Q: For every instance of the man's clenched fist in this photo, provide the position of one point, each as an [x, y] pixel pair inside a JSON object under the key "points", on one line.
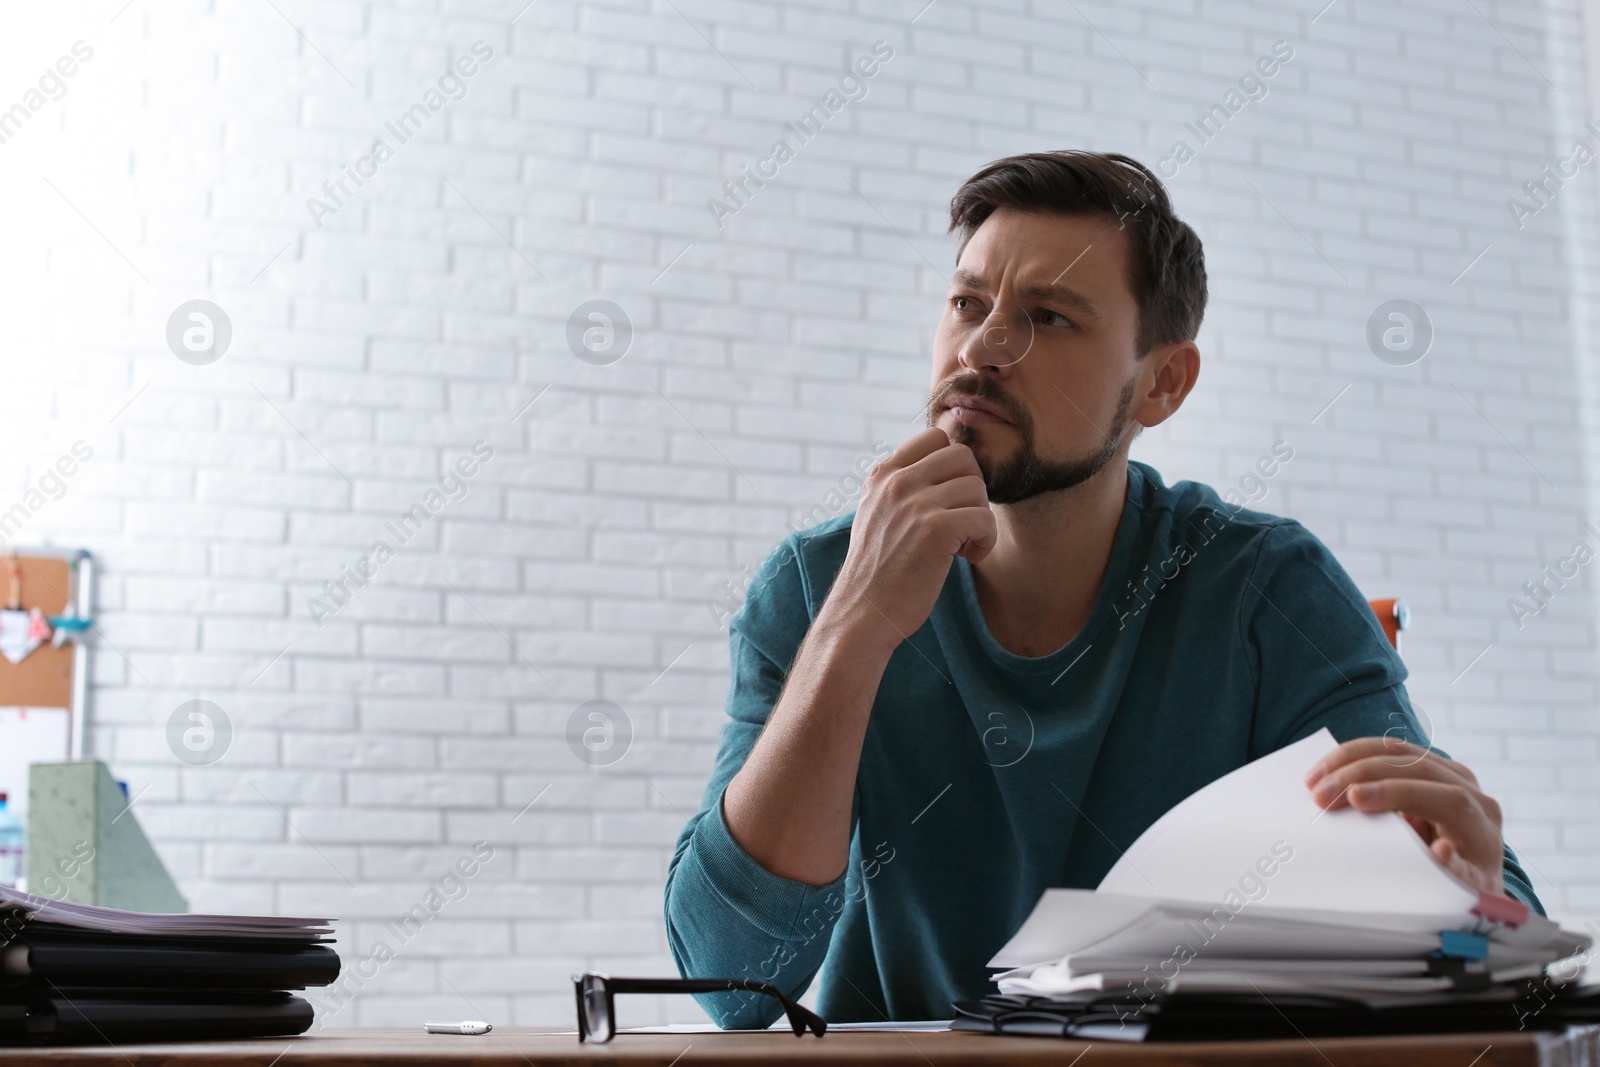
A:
{"points": [[922, 506]]}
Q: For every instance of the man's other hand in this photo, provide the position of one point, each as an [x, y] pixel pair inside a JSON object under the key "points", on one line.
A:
{"points": [[1439, 797]]}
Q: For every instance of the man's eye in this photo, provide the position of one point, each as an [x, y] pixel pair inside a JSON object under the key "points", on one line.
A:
{"points": [[1053, 318], [960, 303]]}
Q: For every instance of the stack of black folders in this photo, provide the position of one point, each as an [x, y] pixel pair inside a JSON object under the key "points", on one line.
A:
{"points": [[1530, 1004], [74, 974]]}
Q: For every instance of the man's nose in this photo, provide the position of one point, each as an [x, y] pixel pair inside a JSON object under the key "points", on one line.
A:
{"points": [[999, 342]]}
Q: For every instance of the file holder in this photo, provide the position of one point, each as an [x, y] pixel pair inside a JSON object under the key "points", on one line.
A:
{"points": [[85, 845]]}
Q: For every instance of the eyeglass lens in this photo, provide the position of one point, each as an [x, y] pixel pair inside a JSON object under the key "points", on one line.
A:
{"points": [[596, 1009]]}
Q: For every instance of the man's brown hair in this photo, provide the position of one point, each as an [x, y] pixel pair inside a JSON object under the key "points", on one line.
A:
{"points": [[1166, 265]]}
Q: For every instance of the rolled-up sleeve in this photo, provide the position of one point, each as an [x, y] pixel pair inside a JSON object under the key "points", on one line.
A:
{"points": [[727, 916]]}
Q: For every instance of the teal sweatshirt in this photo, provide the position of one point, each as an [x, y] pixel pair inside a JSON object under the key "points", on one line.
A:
{"points": [[1220, 634]]}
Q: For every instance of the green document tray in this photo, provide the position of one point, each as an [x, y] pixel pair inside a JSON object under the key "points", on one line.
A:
{"points": [[85, 846]]}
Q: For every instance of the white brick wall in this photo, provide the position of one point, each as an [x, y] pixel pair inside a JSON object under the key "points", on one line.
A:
{"points": [[769, 357]]}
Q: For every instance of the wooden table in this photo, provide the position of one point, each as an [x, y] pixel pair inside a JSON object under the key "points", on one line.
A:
{"points": [[1574, 1047]]}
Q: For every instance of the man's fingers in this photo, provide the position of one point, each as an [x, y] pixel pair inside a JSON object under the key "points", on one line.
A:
{"points": [[1393, 750], [951, 461], [1489, 876], [1470, 823], [967, 491], [1423, 827], [1332, 789], [1363, 748], [975, 532], [920, 444]]}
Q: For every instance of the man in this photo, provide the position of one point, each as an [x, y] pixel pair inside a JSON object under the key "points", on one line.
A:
{"points": [[1023, 648]]}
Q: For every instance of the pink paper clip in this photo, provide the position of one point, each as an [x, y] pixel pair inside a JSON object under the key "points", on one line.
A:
{"points": [[1500, 909]]}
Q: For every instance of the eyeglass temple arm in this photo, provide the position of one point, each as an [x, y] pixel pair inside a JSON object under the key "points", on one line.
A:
{"points": [[800, 1018]]}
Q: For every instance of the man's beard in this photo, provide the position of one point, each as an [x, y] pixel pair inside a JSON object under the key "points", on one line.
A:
{"points": [[1026, 475]]}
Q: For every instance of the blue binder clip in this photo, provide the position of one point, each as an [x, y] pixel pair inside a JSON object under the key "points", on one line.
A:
{"points": [[1459, 944]]}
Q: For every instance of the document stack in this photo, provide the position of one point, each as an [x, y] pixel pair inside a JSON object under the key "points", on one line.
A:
{"points": [[1248, 910], [74, 974]]}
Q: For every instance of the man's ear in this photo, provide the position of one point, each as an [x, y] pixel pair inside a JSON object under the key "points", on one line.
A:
{"points": [[1169, 371]]}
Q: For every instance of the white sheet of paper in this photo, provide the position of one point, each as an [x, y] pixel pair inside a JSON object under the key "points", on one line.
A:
{"points": [[1084, 923], [176, 924], [1254, 855], [1076, 921], [30, 735], [1220, 840], [15, 640]]}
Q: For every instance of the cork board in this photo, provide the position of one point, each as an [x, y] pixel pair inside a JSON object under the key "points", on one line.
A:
{"points": [[44, 679]]}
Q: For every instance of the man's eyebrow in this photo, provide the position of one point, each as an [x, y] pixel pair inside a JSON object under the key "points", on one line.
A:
{"points": [[1053, 294]]}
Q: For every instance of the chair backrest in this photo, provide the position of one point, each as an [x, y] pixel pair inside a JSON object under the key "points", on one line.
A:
{"points": [[1395, 617]]}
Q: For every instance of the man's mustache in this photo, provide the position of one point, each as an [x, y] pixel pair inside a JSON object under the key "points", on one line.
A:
{"points": [[941, 396]]}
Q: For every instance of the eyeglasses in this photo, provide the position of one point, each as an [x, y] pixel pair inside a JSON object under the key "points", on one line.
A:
{"points": [[598, 1021]]}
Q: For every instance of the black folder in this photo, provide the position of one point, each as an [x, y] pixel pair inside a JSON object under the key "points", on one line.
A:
{"points": [[101, 1016], [41, 953], [1097, 1016]]}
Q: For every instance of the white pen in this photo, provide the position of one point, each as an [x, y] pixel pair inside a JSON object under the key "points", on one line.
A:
{"points": [[471, 1026]]}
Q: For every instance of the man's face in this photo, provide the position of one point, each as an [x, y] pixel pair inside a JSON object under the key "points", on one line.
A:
{"points": [[1040, 325]]}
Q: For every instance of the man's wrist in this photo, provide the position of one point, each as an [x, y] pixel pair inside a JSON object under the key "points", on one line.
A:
{"points": [[856, 627]]}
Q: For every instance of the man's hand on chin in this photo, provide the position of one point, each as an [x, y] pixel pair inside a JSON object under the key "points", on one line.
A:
{"points": [[1439, 797]]}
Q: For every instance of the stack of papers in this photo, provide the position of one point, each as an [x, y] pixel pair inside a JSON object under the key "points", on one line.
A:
{"points": [[113, 921], [71, 973], [1248, 886]]}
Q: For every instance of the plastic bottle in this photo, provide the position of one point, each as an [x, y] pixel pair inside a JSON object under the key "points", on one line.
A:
{"points": [[11, 839]]}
